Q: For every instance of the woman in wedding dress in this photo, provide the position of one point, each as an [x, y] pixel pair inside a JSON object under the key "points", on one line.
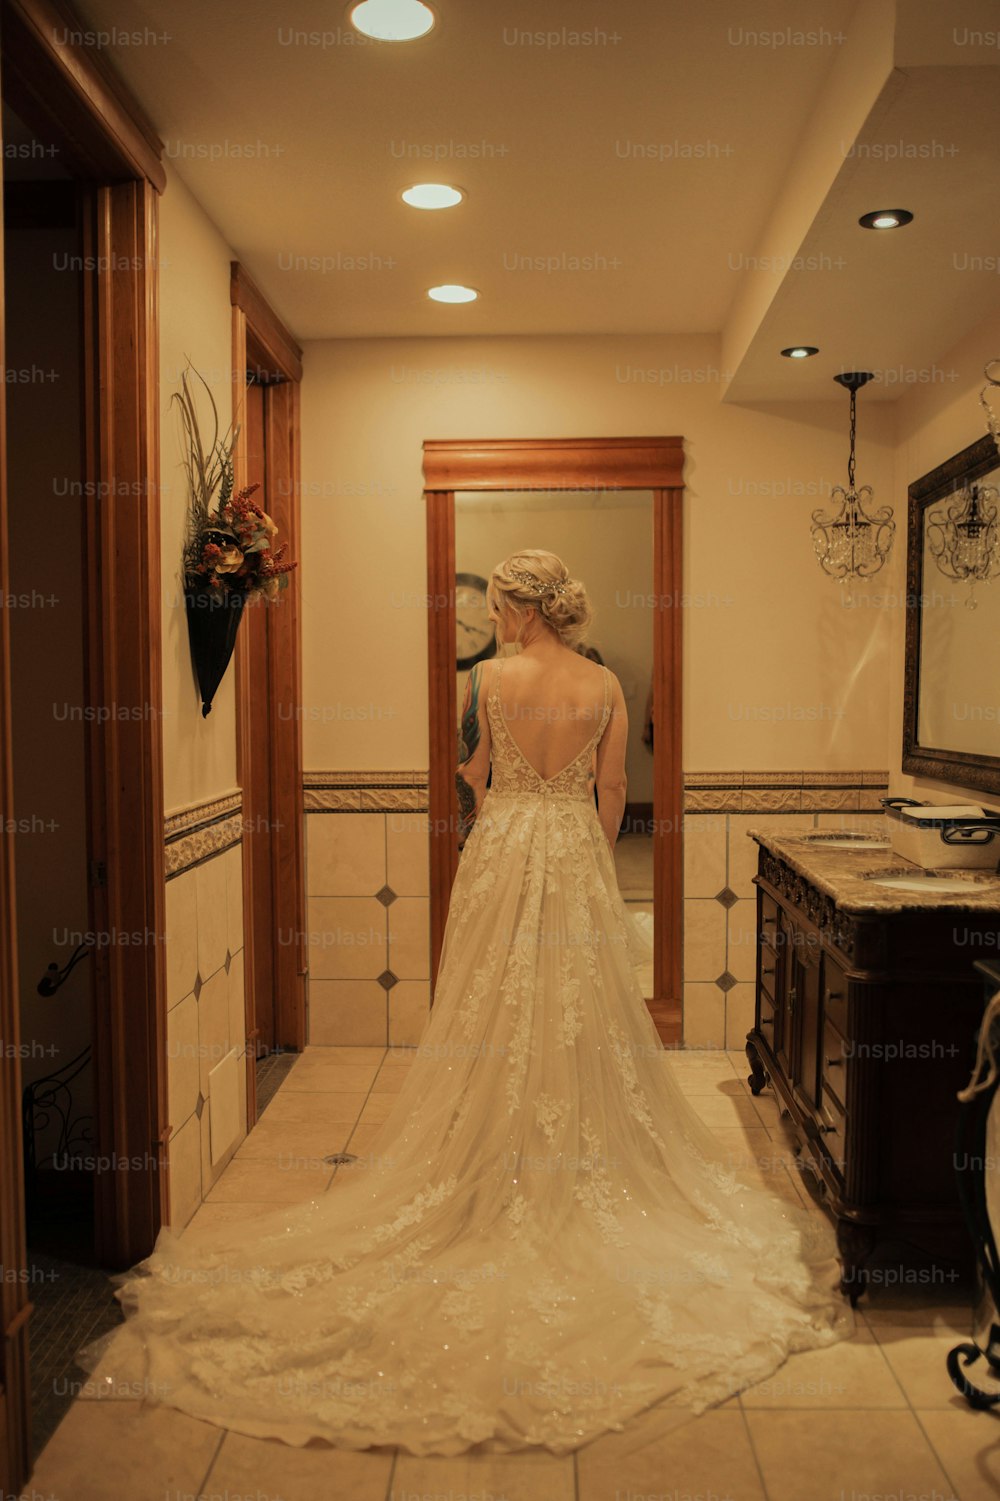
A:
{"points": [[544, 1239]]}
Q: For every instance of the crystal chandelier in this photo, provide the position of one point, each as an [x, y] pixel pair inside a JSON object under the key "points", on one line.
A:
{"points": [[963, 535], [964, 539], [852, 544]]}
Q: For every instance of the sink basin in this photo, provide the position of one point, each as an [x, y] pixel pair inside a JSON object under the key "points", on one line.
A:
{"points": [[935, 881], [844, 839]]}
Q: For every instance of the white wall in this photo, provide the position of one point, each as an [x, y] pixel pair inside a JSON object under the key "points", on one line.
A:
{"points": [[204, 899], [778, 674], [199, 755]]}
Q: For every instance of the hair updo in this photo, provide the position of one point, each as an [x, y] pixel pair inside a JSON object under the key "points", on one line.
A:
{"points": [[538, 578]]}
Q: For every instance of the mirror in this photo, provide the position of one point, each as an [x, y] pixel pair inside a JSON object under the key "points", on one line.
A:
{"points": [[951, 716], [597, 468], [605, 538]]}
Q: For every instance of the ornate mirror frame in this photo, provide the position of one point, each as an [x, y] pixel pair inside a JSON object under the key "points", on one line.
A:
{"points": [[959, 767], [654, 464]]}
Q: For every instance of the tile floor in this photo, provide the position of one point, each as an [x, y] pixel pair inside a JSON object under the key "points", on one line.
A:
{"points": [[873, 1417]]}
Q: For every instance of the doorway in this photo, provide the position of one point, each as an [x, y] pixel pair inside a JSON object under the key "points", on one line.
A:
{"points": [[43, 236], [554, 483], [84, 177]]}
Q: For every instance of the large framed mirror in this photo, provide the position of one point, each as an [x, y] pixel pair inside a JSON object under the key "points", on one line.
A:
{"points": [[951, 703], [612, 509]]}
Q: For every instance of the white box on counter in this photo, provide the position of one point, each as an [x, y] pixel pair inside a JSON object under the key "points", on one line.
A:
{"points": [[943, 836]]}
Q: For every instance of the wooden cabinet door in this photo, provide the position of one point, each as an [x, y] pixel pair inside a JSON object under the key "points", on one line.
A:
{"points": [[804, 995], [784, 999]]}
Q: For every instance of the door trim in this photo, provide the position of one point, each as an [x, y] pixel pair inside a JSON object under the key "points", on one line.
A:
{"points": [[260, 341], [564, 464], [126, 755], [74, 90]]}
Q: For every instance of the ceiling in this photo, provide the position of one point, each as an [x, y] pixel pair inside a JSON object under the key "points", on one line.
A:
{"points": [[685, 170]]}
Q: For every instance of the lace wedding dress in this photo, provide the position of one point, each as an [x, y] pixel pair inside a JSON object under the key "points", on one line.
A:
{"points": [[543, 1239]]}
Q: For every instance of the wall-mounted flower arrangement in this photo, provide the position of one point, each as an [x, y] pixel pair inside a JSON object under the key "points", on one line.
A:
{"points": [[229, 556]]}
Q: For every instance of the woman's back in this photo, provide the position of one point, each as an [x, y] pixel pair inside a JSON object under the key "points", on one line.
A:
{"points": [[553, 706]]}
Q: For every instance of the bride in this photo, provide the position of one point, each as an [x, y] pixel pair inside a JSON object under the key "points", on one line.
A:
{"points": [[544, 1239]]}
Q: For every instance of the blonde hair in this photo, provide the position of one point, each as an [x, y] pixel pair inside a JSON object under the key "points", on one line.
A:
{"points": [[538, 578]]}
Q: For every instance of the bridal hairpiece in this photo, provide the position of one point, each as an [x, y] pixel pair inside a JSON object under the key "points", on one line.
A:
{"points": [[535, 586]]}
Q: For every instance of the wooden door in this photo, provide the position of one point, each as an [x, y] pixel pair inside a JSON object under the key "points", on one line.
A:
{"points": [[269, 690], [270, 749], [258, 834]]}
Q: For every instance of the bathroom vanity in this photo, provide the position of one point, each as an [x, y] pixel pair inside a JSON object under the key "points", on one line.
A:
{"points": [[867, 1013]]}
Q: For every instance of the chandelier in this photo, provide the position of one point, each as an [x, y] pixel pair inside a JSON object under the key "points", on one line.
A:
{"points": [[991, 416], [963, 535], [852, 544]]}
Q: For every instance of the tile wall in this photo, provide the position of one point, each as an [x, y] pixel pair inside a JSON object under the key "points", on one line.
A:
{"points": [[368, 907], [205, 1005], [368, 904]]}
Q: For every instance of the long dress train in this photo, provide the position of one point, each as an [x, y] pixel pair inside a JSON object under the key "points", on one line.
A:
{"points": [[543, 1239]]}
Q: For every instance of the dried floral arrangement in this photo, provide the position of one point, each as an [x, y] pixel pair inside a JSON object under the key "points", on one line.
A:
{"points": [[229, 557], [230, 547]]}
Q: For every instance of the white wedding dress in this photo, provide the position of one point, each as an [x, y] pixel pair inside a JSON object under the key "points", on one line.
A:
{"points": [[542, 1241]]}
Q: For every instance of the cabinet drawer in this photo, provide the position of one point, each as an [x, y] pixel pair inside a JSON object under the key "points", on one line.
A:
{"points": [[833, 1137], [835, 985], [766, 1010], [834, 1065]]}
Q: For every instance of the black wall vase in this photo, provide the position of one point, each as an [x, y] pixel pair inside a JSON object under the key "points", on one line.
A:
{"points": [[213, 617]]}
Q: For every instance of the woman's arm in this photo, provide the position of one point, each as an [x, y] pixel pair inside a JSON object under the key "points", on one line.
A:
{"points": [[473, 752], [611, 780]]}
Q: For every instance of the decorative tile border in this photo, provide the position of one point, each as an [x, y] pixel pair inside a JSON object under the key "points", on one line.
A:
{"points": [[784, 791], [704, 791], [786, 778], [201, 831], [365, 791]]}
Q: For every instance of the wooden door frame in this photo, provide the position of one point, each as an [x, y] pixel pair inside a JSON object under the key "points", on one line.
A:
{"points": [[260, 340], [654, 464], [66, 90]]}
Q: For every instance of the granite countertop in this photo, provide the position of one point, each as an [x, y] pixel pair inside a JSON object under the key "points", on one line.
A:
{"points": [[840, 874]]}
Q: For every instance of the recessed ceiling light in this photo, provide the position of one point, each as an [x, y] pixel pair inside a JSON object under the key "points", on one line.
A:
{"points": [[392, 20], [886, 218], [452, 293], [799, 351], [432, 195]]}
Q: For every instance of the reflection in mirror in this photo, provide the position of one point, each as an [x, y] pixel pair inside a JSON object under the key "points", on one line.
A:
{"points": [[605, 538], [958, 706]]}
